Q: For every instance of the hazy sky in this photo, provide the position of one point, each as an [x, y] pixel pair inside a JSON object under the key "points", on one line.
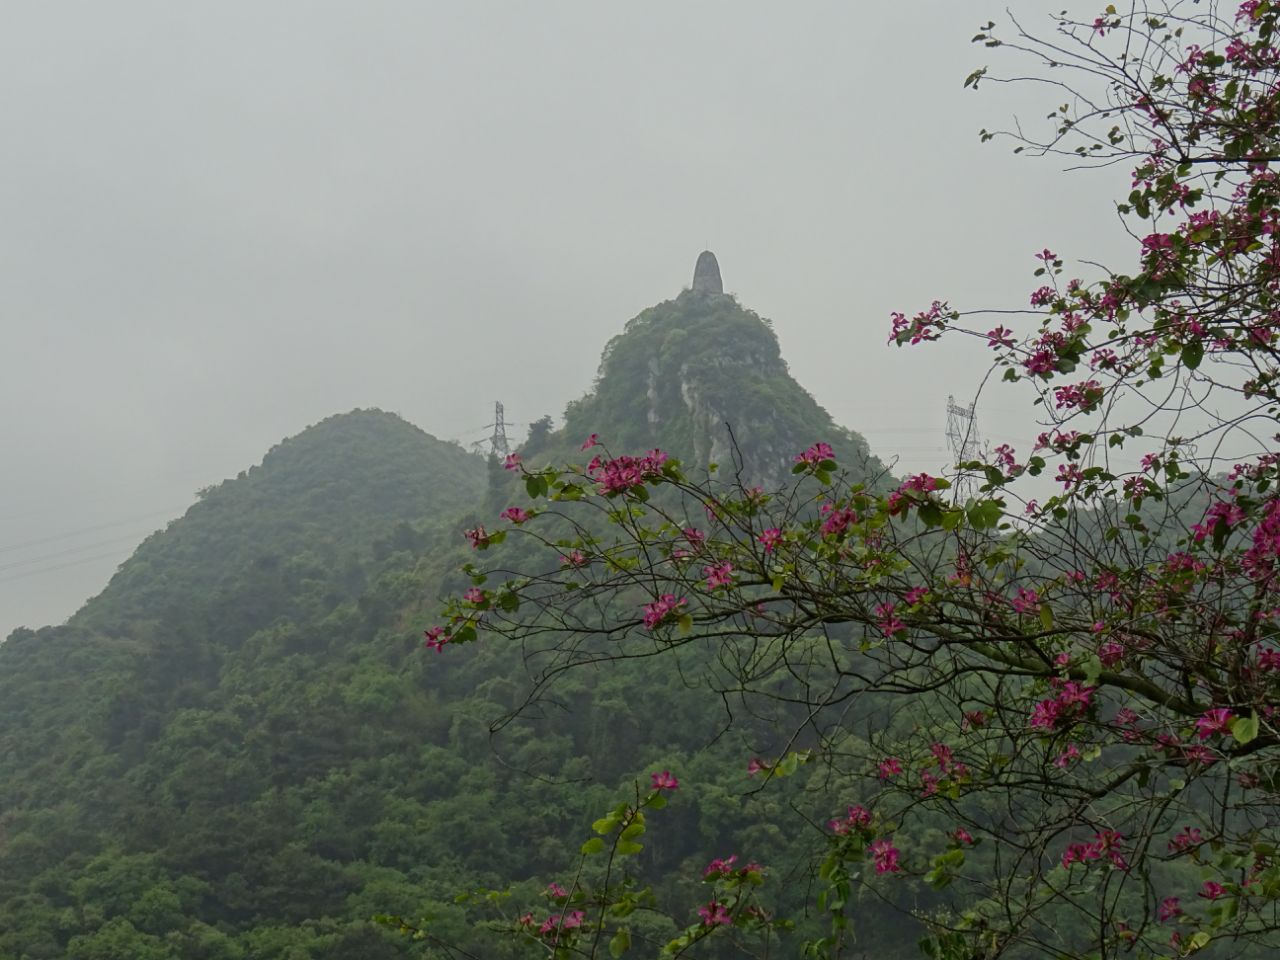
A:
{"points": [[222, 222]]}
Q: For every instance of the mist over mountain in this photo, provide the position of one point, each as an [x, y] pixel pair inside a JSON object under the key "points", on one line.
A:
{"points": [[239, 749]]}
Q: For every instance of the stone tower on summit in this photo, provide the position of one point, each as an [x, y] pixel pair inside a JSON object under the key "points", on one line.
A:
{"points": [[706, 274]]}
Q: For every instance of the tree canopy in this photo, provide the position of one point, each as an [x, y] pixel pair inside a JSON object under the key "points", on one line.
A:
{"points": [[1045, 725]]}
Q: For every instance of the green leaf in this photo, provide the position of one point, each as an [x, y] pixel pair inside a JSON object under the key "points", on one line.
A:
{"points": [[605, 825], [930, 514], [627, 848], [1046, 616], [1192, 354], [594, 845], [620, 943], [685, 623], [1244, 729]]}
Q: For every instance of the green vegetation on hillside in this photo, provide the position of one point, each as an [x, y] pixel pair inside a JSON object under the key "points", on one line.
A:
{"points": [[240, 749]]}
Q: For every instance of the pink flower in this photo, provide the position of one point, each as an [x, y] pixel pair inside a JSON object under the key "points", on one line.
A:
{"points": [[1217, 720], [478, 538], [663, 781], [436, 639], [1185, 839], [890, 767], [625, 473], [858, 817], [1110, 653], [915, 595], [661, 609], [719, 575], [516, 515], [1027, 601], [999, 337], [591, 441], [770, 539], [962, 836], [714, 913], [1064, 759], [755, 766], [888, 623], [886, 856], [474, 595], [555, 890], [816, 454], [574, 559], [1169, 909], [720, 867], [512, 462], [1211, 890]]}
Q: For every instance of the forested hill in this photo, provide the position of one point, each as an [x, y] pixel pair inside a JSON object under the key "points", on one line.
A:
{"points": [[240, 751], [316, 502]]}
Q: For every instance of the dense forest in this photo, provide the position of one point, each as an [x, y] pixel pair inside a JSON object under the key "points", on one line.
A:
{"points": [[240, 748]]}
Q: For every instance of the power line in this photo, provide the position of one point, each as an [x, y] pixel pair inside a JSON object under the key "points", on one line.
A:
{"points": [[69, 552], [60, 566], [83, 530]]}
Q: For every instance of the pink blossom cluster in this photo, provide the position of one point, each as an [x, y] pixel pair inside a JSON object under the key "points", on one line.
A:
{"points": [[718, 575], [1104, 844], [1259, 560], [816, 454], [554, 923], [1215, 721], [724, 868], [1027, 601], [886, 621], [858, 818], [1068, 706], [947, 764], [885, 855], [837, 520], [926, 325], [436, 639], [1006, 461], [1083, 396], [715, 914], [663, 781], [516, 515], [661, 610], [1186, 839], [625, 473], [1228, 514]]}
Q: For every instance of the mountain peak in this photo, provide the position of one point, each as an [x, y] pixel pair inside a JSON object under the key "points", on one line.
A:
{"points": [[703, 377], [706, 274]]}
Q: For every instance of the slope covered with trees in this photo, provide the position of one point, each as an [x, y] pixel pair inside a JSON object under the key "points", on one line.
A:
{"points": [[240, 748]]}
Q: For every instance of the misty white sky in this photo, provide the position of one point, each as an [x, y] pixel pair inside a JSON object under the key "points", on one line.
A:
{"points": [[222, 222]]}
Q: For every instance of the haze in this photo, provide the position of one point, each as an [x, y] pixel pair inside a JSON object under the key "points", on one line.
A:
{"points": [[223, 222]]}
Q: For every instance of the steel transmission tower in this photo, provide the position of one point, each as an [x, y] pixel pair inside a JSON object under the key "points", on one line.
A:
{"points": [[497, 442], [965, 443]]}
